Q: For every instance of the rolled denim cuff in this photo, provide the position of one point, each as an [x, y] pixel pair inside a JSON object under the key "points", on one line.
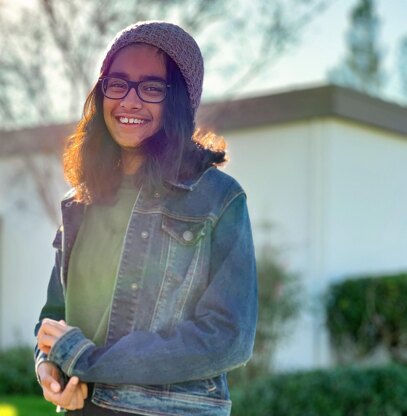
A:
{"points": [[68, 349]]}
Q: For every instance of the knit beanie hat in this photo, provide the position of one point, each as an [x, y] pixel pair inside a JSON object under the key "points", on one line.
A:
{"points": [[174, 41]]}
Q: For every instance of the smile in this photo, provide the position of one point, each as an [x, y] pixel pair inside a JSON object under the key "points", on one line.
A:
{"points": [[126, 120]]}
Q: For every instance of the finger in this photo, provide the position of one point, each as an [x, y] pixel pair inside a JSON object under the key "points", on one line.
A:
{"points": [[55, 387], [45, 349], [50, 383], [46, 340], [70, 400], [77, 401], [51, 323], [69, 391], [52, 328], [51, 396], [84, 389], [46, 324]]}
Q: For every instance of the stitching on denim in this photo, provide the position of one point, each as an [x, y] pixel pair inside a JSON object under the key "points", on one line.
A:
{"points": [[76, 357], [228, 204], [166, 212], [119, 265], [181, 310], [188, 398], [162, 286]]}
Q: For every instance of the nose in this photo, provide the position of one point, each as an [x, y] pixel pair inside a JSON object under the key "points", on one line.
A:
{"points": [[131, 100]]}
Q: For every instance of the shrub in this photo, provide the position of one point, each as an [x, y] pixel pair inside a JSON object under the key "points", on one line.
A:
{"points": [[17, 375], [369, 312], [279, 304], [339, 392]]}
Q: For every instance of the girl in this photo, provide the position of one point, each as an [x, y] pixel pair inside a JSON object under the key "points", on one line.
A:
{"points": [[153, 298]]}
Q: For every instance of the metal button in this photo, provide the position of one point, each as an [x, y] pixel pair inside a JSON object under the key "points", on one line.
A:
{"points": [[187, 235], [134, 286], [144, 235], [157, 195]]}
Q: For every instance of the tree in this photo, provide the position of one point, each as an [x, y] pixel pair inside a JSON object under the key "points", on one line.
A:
{"points": [[50, 49], [361, 68]]}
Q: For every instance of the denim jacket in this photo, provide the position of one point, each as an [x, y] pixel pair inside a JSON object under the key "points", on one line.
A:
{"points": [[184, 306]]}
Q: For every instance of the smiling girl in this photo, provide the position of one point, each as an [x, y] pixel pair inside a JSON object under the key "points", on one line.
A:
{"points": [[153, 297]]}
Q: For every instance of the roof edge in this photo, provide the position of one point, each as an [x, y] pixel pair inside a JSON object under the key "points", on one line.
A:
{"points": [[307, 103]]}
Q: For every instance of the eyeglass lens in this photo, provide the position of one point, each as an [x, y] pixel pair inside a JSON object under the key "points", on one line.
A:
{"points": [[149, 91]]}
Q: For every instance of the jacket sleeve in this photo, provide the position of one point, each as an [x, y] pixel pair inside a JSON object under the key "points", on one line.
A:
{"points": [[54, 307], [220, 337]]}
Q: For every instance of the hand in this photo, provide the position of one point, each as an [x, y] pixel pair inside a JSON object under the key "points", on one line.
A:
{"points": [[49, 332], [71, 398]]}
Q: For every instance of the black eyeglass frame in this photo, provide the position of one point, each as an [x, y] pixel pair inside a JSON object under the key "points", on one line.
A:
{"points": [[135, 85]]}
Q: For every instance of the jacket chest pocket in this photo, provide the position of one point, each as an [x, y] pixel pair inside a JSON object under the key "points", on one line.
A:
{"points": [[185, 241], [183, 257], [186, 233]]}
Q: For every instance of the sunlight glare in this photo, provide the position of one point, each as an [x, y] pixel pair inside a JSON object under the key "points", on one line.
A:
{"points": [[8, 410]]}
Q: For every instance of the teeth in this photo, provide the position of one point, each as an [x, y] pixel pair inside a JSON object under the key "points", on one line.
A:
{"points": [[126, 120]]}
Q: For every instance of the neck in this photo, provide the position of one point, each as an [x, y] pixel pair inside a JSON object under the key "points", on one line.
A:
{"points": [[131, 161]]}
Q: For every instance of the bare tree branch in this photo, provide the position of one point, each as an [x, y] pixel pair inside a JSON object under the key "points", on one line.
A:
{"points": [[49, 53], [59, 53], [41, 178]]}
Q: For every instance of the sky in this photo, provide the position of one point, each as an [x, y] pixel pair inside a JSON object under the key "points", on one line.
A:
{"points": [[323, 44], [321, 47]]}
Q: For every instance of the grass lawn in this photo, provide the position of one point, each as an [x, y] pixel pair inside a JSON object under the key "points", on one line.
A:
{"points": [[25, 406]]}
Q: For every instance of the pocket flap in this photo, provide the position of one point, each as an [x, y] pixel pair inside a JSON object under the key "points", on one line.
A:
{"points": [[185, 232]]}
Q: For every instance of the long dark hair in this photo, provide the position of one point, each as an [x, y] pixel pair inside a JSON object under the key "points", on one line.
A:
{"points": [[92, 159]]}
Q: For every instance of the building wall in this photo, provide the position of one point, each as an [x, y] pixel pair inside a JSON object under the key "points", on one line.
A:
{"points": [[271, 163], [279, 167], [366, 230], [333, 192], [26, 253]]}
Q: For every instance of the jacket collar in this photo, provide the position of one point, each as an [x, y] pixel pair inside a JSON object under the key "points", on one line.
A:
{"points": [[188, 184], [185, 184]]}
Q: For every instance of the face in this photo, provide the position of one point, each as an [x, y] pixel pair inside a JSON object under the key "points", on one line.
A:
{"points": [[134, 63]]}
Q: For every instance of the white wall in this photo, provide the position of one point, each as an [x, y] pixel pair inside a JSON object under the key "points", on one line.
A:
{"points": [[333, 191], [27, 255], [271, 164], [279, 167], [366, 200]]}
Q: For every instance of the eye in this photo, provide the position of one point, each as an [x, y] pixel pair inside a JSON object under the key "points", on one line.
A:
{"points": [[116, 83], [153, 87]]}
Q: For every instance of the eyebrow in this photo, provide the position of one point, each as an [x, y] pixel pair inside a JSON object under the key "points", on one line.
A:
{"points": [[123, 75]]}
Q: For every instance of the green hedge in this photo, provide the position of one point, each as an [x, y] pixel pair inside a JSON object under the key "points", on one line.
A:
{"points": [[17, 374], [339, 392], [279, 304], [367, 312]]}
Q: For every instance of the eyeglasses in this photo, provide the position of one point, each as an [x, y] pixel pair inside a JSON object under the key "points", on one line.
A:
{"points": [[149, 91]]}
